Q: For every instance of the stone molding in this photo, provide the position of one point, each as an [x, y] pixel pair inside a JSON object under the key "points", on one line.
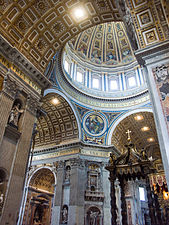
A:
{"points": [[77, 162], [12, 133], [10, 87], [14, 56]]}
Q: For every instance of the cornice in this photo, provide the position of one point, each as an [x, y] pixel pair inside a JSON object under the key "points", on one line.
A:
{"points": [[151, 51], [15, 57], [79, 144]]}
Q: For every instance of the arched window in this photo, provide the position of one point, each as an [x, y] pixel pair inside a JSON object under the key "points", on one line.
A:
{"points": [[95, 83], [113, 85], [67, 66], [79, 77], [132, 82]]}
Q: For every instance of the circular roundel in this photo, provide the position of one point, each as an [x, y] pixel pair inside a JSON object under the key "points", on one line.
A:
{"points": [[99, 35], [94, 124]]}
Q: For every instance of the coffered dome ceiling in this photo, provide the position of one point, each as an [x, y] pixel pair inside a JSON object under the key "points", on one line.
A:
{"points": [[100, 63], [105, 44]]}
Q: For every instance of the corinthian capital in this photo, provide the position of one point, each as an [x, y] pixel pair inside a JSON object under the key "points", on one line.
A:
{"points": [[32, 104]]}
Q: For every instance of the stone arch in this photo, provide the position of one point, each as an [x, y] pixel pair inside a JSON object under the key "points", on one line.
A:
{"points": [[120, 118], [40, 168], [54, 90], [40, 195], [94, 215]]}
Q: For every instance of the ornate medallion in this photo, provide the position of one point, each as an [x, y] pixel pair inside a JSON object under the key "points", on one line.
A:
{"points": [[94, 124]]}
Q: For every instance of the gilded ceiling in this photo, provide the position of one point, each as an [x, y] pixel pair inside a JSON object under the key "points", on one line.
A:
{"points": [[58, 125], [43, 179], [38, 28], [141, 133]]}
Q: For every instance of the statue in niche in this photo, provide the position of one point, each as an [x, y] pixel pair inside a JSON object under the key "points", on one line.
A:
{"points": [[93, 216], [67, 173], [15, 114], [65, 214], [112, 158]]}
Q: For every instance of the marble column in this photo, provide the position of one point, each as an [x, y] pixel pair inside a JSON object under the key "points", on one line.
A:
{"points": [[123, 202]]}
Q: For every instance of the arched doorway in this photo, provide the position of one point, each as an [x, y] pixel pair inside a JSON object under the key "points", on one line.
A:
{"points": [[38, 208]]}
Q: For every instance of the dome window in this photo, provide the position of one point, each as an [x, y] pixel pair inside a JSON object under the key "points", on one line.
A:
{"points": [[131, 82], [96, 83], [67, 66], [113, 85], [79, 77]]}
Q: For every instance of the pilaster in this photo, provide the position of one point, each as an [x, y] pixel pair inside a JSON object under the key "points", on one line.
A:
{"points": [[77, 190], [7, 96], [153, 58], [18, 165], [56, 211]]}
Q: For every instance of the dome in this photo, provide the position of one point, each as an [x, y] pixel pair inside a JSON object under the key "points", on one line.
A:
{"points": [[100, 62], [105, 45]]}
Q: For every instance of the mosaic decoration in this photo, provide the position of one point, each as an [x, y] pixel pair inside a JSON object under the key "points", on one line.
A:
{"points": [[112, 116], [117, 50], [161, 76], [81, 111], [94, 124], [93, 140]]}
